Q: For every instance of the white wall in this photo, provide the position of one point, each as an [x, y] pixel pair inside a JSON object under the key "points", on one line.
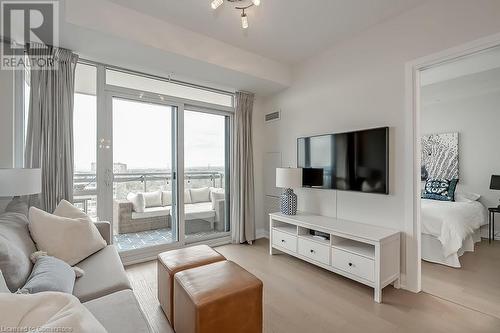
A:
{"points": [[360, 84], [477, 120]]}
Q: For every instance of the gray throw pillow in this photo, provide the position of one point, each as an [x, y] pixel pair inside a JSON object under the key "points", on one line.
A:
{"points": [[16, 246], [50, 274]]}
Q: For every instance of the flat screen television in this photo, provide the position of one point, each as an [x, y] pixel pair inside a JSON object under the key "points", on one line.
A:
{"points": [[353, 161]]}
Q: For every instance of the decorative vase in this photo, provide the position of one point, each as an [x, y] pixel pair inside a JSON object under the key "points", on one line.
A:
{"points": [[288, 202]]}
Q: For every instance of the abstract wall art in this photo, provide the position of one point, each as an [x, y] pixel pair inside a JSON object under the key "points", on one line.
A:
{"points": [[440, 156]]}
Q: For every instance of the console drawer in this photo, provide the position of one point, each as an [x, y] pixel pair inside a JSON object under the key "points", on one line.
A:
{"points": [[284, 240], [314, 251], [354, 264]]}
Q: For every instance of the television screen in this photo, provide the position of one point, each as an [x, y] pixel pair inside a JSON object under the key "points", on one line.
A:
{"points": [[354, 161]]}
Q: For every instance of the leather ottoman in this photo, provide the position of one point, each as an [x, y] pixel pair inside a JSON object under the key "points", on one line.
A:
{"points": [[171, 262], [218, 298]]}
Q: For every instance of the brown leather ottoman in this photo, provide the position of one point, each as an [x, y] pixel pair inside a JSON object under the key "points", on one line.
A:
{"points": [[218, 298], [171, 262]]}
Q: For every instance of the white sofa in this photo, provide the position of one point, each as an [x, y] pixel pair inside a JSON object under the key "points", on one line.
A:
{"points": [[153, 210]]}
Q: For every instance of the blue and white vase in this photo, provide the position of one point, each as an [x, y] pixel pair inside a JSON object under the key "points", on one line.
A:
{"points": [[288, 202]]}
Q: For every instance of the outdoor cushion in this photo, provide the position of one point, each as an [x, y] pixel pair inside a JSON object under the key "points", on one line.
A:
{"points": [[104, 274], [151, 212], [129, 318], [166, 198], [152, 199], [200, 194], [199, 211], [138, 202], [216, 196], [71, 240], [16, 246], [187, 196], [50, 274]]}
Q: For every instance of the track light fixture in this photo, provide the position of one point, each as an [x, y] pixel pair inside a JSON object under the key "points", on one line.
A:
{"points": [[245, 5]]}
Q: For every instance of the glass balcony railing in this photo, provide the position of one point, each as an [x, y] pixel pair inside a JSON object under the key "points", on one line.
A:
{"points": [[85, 185]]}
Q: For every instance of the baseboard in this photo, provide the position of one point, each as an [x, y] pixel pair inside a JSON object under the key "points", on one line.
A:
{"points": [[262, 233]]}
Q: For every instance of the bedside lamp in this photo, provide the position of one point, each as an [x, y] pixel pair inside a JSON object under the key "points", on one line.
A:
{"points": [[17, 182], [495, 183], [288, 178]]}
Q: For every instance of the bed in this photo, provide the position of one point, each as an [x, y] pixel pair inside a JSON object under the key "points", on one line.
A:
{"points": [[449, 229]]}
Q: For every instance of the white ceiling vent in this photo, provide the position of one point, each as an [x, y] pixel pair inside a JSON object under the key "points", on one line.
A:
{"points": [[273, 116]]}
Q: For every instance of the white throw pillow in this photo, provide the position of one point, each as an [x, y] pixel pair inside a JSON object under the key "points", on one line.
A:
{"points": [[66, 209], [200, 194], [166, 198], [187, 197], [138, 202], [70, 240], [462, 195], [47, 312], [152, 199]]}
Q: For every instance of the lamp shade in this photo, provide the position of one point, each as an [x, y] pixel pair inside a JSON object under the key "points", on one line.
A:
{"points": [[495, 182], [15, 182], [288, 177]]}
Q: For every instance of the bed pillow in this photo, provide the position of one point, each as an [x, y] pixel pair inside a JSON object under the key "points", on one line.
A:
{"points": [[465, 196], [70, 240], [440, 189], [50, 274]]}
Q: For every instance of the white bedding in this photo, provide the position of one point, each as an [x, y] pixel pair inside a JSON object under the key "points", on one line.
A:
{"points": [[452, 222]]}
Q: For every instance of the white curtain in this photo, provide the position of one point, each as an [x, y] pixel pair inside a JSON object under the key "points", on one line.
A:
{"points": [[243, 212], [49, 137]]}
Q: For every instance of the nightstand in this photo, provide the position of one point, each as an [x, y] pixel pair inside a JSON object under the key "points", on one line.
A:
{"points": [[491, 222]]}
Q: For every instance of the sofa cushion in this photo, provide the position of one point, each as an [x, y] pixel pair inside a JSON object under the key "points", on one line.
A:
{"points": [[50, 274], [151, 212], [16, 246], [104, 274], [71, 240], [66, 209], [166, 198], [138, 201], [152, 199], [200, 194], [120, 312], [199, 211]]}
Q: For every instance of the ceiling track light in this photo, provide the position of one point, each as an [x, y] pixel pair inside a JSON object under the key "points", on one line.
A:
{"points": [[244, 18]]}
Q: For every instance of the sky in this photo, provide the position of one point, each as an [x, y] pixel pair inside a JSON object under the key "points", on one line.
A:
{"points": [[142, 135]]}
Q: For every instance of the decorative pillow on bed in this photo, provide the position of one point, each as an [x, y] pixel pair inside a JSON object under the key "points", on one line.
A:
{"points": [[440, 189]]}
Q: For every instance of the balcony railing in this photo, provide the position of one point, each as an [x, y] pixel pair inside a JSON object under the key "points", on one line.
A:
{"points": [[85, 185]]}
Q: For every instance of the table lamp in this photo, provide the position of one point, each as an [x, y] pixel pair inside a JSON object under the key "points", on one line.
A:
{"points": [[288, 178], [495, 184], [17, 182]]}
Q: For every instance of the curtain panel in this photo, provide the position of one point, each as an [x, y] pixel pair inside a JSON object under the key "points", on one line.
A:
{"points": [[243, 211], [49, 137]]}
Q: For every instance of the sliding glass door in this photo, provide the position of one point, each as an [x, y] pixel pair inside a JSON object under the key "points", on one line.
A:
{"points": [[144, 141], [206, 174], [152, 157]]}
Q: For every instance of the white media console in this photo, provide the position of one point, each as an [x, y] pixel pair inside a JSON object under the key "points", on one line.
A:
{"points": [[362, 252]]}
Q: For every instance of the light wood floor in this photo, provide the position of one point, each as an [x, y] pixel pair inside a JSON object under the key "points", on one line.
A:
{"points": [[300, 297], [476, 285]]}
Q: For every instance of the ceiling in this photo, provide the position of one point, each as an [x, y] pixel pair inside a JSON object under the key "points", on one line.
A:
{"points": [[289, 31]]}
